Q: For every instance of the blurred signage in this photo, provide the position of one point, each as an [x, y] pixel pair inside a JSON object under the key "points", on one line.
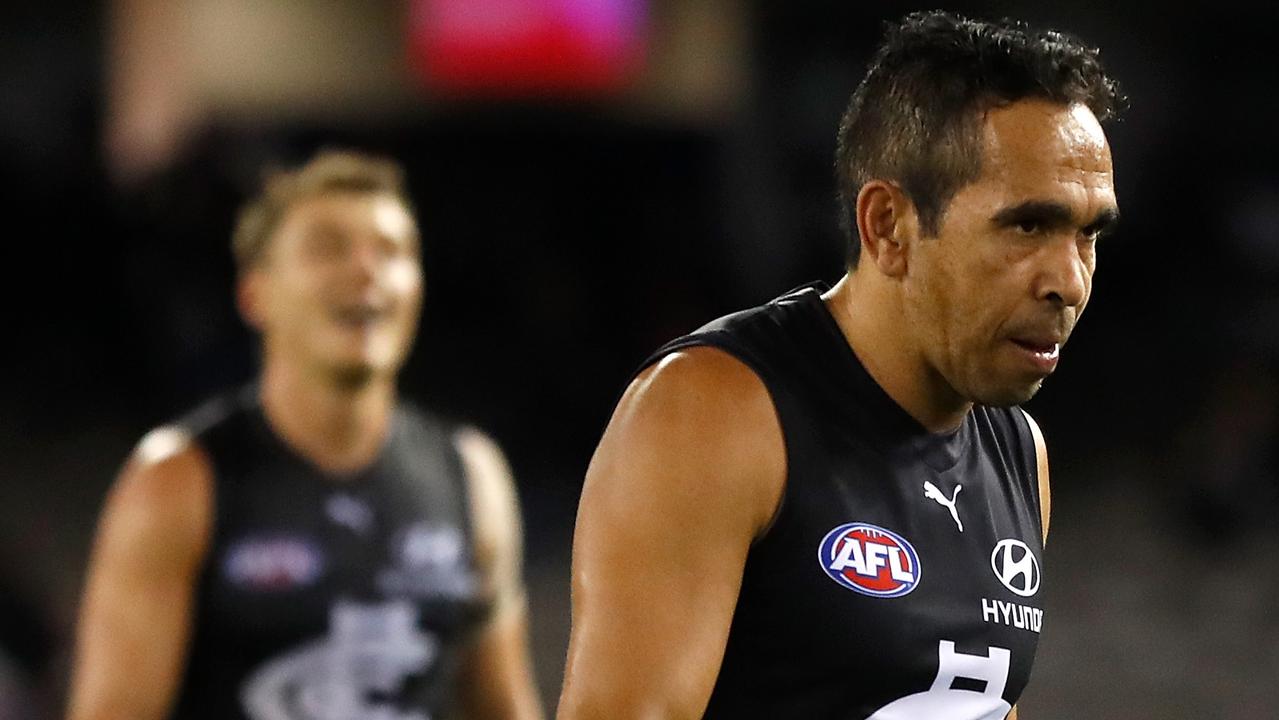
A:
{"points": [[508, 48]]}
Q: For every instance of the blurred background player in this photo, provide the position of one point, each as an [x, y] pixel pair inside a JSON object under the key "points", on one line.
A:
{"points": [[309, 547]]}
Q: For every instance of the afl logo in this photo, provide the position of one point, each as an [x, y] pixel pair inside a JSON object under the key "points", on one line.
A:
{"points": [[870, 560], [1016, 567], [274, 563]]}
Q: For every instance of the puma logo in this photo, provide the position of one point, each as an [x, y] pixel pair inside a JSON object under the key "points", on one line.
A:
{"points": [[932, 493]]}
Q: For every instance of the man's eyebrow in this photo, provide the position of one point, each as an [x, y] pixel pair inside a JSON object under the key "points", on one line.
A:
{"points": [[1104, 222], [1044, 212], [1054, 214]]}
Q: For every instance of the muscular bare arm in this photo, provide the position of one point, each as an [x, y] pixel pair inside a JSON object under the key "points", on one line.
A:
{"points": [[497, 676], [135, 616], [687, 475]]}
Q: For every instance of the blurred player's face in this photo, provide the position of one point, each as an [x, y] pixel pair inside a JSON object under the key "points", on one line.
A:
{"points": [[996, 294], [340, 288]]}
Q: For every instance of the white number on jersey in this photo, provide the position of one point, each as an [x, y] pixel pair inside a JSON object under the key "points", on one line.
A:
{"points": [[941, 702]]}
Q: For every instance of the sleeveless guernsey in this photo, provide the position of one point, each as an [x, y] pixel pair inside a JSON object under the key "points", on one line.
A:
{"points": [[901, 578], [325, 597]]}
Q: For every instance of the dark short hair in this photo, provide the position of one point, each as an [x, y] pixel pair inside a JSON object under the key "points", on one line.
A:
{"points": [[915, 118], [329, 171]]}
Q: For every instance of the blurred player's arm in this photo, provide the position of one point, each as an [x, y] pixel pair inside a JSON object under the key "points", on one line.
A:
{"points": [[135, 617], [687, 475], [497, 677]]}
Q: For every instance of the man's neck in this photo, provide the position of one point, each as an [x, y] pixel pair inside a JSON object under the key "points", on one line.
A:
{"points": [[869, 312], [339, 428]]}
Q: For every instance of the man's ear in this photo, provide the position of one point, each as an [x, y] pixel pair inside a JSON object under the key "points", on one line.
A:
{"points": [[886, 224], [250, 290]]}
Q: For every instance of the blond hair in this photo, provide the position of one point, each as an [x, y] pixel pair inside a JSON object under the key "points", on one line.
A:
{"points": [[328, 172]]}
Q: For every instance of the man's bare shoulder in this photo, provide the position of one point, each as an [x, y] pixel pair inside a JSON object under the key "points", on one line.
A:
{"points": [[706, 381], [165, 489], [700, 414]]}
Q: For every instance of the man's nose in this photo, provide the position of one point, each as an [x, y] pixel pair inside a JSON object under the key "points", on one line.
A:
{"points": [[363, 261], [1067, 274]]}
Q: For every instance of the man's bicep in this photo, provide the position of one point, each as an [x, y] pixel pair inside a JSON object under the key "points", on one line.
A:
{"points": [[674, 495], [135, 615], [652, 597]]}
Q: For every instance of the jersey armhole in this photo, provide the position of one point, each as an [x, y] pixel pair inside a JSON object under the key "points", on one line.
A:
{"points": [[204, 574], [723, 342], [1030, 462]]}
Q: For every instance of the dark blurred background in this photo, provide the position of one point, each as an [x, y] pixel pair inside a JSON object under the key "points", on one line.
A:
{"points": [[593, 179]]}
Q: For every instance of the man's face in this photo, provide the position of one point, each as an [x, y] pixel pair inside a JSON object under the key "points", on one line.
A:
{"points": [[340, 287], [996, 294]]}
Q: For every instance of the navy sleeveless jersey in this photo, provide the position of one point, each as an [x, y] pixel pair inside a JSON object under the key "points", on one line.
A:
{"points": [[901, 578], [326, 597]]}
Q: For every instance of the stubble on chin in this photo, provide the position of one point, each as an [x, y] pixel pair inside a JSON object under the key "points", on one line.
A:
{"points": [[354, 377], [1011, 396]]}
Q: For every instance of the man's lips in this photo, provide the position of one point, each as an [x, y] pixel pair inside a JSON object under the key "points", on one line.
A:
{"points": [[1042, 352], [1039, 346], [360, 315]]}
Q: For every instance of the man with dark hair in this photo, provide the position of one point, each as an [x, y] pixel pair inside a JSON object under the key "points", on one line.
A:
{"points": [[311, 547], [830, 505]]}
